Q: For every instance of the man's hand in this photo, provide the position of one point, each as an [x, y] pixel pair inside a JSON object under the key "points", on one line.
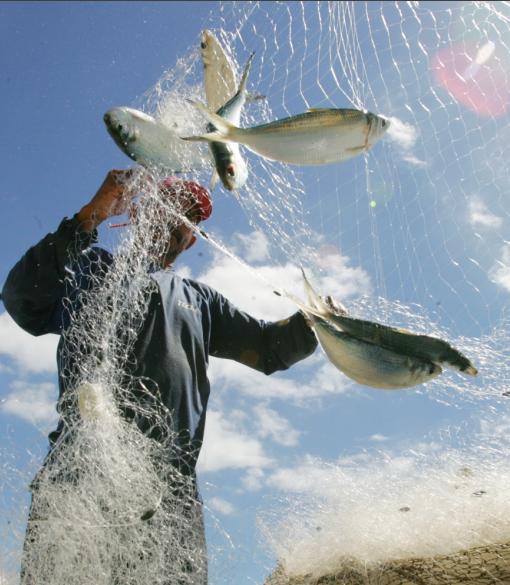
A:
{"points": [[112, 198]]}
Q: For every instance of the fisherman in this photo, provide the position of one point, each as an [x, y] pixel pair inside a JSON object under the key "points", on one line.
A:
{"points": [[186, 321]]}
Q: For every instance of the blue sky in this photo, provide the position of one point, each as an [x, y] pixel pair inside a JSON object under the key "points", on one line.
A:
{"points": [[413, 234]]}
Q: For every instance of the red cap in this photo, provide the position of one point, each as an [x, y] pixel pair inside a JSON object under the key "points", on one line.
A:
{"points": [[189, 191]]}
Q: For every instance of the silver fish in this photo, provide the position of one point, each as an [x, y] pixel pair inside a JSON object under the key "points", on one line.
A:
{"points": [[230, 165], [319, 136], [150, 142], [424, 347], [370, 364], [364, 362], [219, 71]]}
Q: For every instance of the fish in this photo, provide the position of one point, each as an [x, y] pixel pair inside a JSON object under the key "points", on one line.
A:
{"points": [[219, 71], [366, 363], [231, 168], [424, 347], [150, 142], [370, 364], [316, 137]]}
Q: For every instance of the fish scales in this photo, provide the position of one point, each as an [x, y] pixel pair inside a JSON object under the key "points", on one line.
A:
{"points": [[426, 347], [230, 165], [219, 76], [406, 342], [321, 136], [370, 364], [309, 120]]}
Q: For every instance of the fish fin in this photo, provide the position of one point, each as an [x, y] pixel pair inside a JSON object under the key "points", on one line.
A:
{"points": [[313, 298], [223, 126], [323, 306], [309, 311], [253, 97], [246, 71], [214, 180]]}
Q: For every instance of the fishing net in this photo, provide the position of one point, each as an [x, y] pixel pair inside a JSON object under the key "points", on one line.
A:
{"points": [[424, 215], [411, 233], [110, 504]]}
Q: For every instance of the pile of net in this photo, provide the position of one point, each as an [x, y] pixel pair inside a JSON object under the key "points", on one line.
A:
{"points": [[484, 565]]}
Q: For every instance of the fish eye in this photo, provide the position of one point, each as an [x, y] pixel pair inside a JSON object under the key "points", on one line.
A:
{"points": [[383, 122], [231, 170], [203, 45]]}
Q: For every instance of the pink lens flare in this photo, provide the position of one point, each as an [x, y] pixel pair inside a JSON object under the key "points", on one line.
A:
{"points": [[476, 76]]}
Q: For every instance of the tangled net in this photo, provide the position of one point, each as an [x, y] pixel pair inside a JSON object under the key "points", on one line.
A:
{"points": [[423, 216]]}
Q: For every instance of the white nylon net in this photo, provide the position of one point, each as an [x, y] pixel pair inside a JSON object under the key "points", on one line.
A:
{"points": [[419, 226]]}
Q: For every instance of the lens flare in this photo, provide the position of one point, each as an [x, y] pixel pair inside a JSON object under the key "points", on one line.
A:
{"points": [[476, 76]]}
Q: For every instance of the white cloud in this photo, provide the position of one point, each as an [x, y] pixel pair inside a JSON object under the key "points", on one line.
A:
{"points": [[311, 476], [405, 135], [255, 246], [31, 354], [413, 160], [378, 438], [227, 448], [310, 383], [253, 479], [6, 370], [479, 214], [500, 272], [271, 424], [221, 506], [34, 403], [252, 290]]}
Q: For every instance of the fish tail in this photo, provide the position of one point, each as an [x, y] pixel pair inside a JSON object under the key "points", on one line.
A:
{"points": [[313, 297], [225, 131], [214, 180], [244, 77], [323, 307], [308, 310]]}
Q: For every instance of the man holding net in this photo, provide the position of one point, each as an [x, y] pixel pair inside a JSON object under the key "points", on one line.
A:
{"points": [[181, 323]]}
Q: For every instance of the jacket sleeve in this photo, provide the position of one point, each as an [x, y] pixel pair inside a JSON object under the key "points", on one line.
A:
{"points": [[36, 286], [264, 346]]}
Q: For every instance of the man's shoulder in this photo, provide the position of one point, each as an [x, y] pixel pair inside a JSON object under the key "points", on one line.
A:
{"points": [[165, 277], [201, 288]]}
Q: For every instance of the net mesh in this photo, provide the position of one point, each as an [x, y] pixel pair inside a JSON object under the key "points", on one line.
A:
{"points": [[422, 215]]}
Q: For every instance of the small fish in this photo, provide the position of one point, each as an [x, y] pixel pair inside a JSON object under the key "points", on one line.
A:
{"points": [[151, 143], [230, 165], [370, 364], [319, 136], [219, 72], [425, 347]]}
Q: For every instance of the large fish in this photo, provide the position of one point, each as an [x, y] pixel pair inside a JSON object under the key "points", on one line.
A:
{"points": [[150, 142], [406, 343], [219, 72], [319, 136], [231, 168]]}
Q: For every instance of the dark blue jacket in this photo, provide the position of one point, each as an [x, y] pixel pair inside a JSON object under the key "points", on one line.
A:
{"points": [[186, 323]]}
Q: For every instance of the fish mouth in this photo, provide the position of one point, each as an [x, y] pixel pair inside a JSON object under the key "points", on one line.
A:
{"points": [[382, 125], [378, 125], [120, 132]]}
